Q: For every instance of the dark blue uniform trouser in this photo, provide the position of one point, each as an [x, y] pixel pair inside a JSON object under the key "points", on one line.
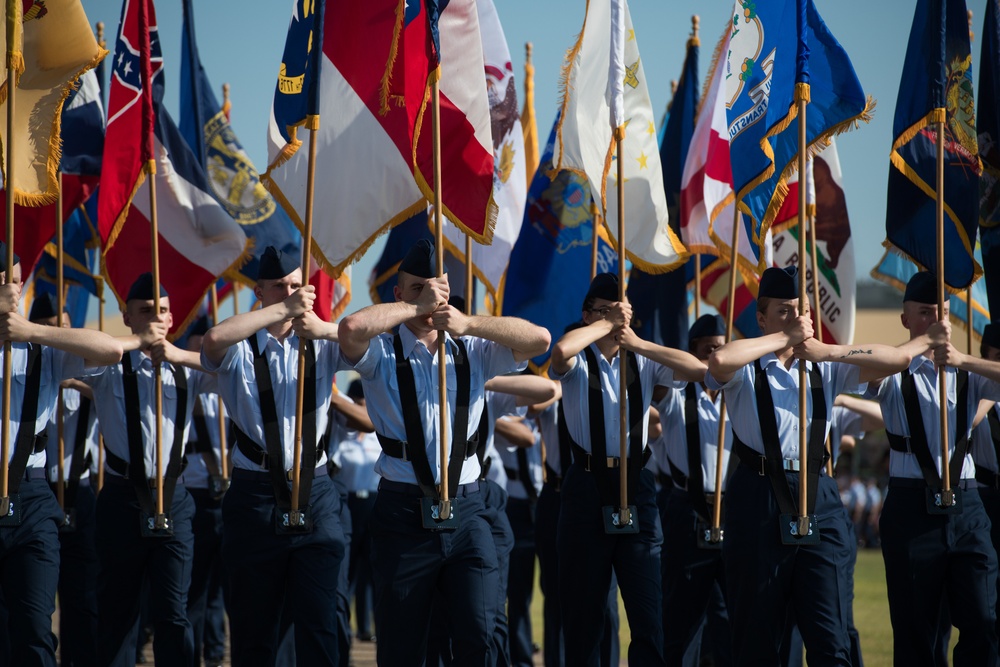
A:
{"points": [[206, 581], [359, 572], [553, 649], [343, 578], [521, 582], [411, 563], [78, 584], [991, 503], [586, 558], [689, 573], [764, 576], [29, 573], [934, 565], [271, 573], [126, 559]]}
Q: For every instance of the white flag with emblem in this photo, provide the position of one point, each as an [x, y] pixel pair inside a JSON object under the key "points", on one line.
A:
{"points": [[586, 145]]}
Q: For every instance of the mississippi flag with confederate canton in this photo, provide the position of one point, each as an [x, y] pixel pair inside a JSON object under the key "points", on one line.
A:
{"points": [[198, 239]]}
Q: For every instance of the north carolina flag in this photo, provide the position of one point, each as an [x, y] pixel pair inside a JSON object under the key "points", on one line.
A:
{"points": [[366, 94], [781, 52], [58, 47], [585, 143], [509, 189], [198, 240]]}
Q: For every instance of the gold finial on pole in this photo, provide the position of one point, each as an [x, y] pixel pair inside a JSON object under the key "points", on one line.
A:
{"points": [[100, 34]]}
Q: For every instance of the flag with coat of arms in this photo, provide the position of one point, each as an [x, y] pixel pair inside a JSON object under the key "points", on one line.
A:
{"points": [[509, 180], [585, 144], [198, 240], [781, 53]]}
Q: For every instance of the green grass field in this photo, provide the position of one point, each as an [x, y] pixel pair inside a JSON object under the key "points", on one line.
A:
{"points": [[871, 612]]}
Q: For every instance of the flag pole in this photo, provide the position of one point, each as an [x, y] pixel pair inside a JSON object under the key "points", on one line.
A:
{"points": [[715, 533], [802, 100], [624, 514], [12, 25], [223, 462], [947, 495], [811, 211], [99, 280], [468, 275], [697, 286], [294, 515], [968, 319], [444, 509], [60, 305], [596, 217], [161, 518]]}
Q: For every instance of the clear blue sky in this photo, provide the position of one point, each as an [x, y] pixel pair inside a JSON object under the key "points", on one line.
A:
{"points": [[241, 43]]}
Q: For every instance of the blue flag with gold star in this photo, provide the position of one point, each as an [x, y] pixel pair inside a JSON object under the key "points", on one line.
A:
{"points": [[781, 52], [988, 127], [232, 178], [936, 87]]}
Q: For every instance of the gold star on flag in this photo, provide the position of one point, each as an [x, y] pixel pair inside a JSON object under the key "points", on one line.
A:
{"points": [[631, 74], [631, 35], [652, 129], [642, 160]]}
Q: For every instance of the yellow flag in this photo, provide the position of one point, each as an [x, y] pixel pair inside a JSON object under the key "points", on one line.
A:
{"points": [[528, 123]]}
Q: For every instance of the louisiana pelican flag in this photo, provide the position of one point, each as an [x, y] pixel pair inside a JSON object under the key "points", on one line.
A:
{"points": [[781, 52], [585, 143]]}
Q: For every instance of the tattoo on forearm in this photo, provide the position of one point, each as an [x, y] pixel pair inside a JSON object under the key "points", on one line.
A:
{"points": [[852, 353]]}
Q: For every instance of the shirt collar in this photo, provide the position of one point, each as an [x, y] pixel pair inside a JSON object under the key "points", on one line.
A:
{"points": [[264, 337], [918, 362], [410, 341], [140, 360], [772, 358]]}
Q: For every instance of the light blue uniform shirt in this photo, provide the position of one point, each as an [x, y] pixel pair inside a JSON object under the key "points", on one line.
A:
{"points": [[982, 445], [378, 376], [71, 417], [925, 379], [356, 457], [196, 474], [56, 367], [844, 422], [548, 426], [507, 408], [501, 405], [576, 405], [673, 444], [741, 399], [238, 386], [109, 399]]}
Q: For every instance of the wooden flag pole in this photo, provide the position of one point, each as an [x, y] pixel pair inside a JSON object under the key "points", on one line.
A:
{"points": [[100, 436], [295, 517], [161, 518], [947, 495], [815, 294], [802, 99], [8, 278], [596, 217], [624, 514], [60, 306], [468, 275], [715, 533], [223, 453], [968, 320], [444, 509], [697, 286]]}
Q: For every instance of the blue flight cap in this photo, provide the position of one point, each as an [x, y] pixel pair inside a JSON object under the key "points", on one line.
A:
{"points": [[43, 307], [603, 286], [457, 302], [420, 260], [3, 257], [275, 264], [199, 327], [355, 390], [707, 325], [779, 283], [922, 288], [142, 289]]}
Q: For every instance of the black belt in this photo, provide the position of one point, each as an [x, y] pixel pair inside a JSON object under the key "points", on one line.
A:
{"points": [[754, 460], [34, 473], [988, 478], [264, 476], [580, 455], [119, 466], [414, 490], [919, 483], [397, 449], [255, 453]]}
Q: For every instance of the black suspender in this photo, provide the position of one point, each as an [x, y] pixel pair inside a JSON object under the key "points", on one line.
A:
{"points": [[918, 444], [136, 470], [24, 441], [772, 442], [994, 422], [692, 431], [524, 475], [80, 461], [483, 436], [275, 457], [636, 415], [565, 441]]}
